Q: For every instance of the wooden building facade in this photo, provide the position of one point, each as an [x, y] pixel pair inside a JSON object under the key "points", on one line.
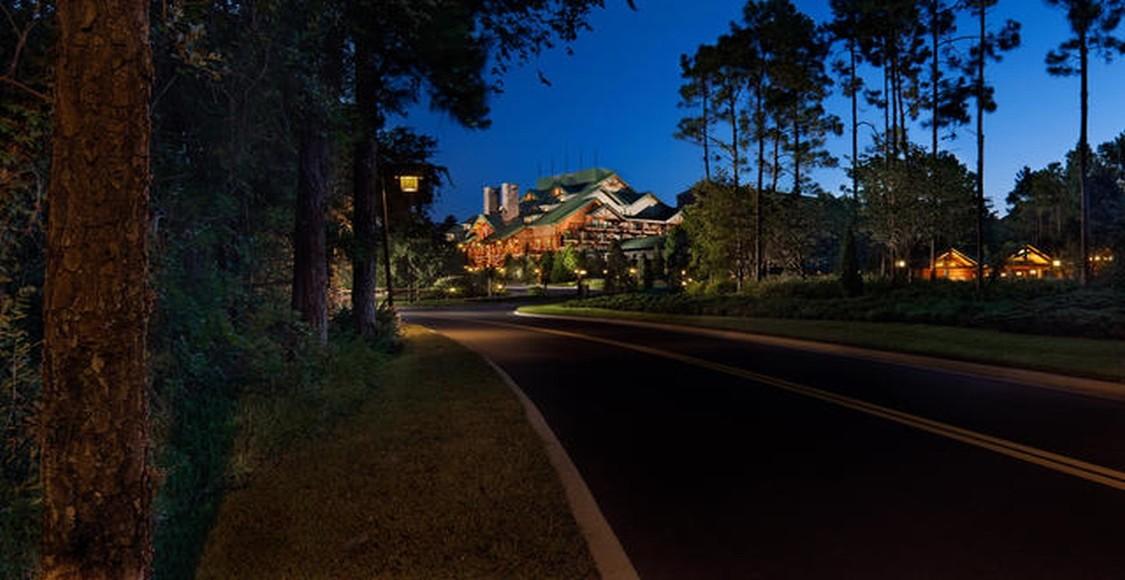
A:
{"points": [[588, 210]]}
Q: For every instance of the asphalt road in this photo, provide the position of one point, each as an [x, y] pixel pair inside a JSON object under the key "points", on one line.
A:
{"points": [[705, 472]]}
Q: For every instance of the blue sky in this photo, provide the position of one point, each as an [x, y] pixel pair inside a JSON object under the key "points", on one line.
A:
{"points": [[615, 101]]}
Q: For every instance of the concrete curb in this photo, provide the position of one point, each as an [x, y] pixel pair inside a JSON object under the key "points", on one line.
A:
{"points": [[1106, 390], [608, 554]]}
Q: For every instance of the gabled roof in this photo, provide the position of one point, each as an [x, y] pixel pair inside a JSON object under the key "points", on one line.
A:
{"points": [[959, 259], [1029, 254], [565, 209], [658, 212]]}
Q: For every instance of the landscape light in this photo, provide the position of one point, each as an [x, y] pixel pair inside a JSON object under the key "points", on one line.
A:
{"points": [[900, 264]]}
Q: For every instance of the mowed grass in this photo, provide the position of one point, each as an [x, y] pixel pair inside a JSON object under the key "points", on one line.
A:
{"points": [[1084, 357], [438, 475]]}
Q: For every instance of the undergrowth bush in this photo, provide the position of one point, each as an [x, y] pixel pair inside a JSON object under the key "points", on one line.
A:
{"points": [[19, 391], [1038, 307]]}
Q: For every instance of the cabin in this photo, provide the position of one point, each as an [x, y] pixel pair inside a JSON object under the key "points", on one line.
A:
{"points": [[1101, 260], [1030, 262], [952, 265]]}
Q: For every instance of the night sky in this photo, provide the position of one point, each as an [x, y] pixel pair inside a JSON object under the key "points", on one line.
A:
{"points": [[614, 102]]}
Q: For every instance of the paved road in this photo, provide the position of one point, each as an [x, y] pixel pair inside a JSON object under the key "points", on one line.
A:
{"points": [[706, 466]]}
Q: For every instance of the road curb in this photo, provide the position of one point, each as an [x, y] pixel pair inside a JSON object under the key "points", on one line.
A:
{"points": [[609, 556], [1095, 388]]}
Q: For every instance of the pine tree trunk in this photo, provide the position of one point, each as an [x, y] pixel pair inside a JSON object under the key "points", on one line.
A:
{"points": [[935, 76], [364, 258], [894, 108], [97, 483], [761, 122], [855, 122], [886, 113], [1084, 205], [980, 151], [775, 173], [796, 151], [310, 257], [706, 137], [734, 141]]}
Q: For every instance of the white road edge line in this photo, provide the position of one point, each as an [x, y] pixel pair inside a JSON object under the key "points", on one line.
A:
{"points": [[1054, 461], [609, 556]]}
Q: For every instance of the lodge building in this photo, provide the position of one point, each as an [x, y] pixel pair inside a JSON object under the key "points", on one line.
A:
{"points": [[588, 210]]}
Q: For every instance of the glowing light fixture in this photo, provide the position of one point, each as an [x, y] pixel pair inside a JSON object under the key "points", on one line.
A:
{"points": [[409, 183]]}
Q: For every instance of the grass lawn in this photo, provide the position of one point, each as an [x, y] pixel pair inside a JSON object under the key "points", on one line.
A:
{"points": [[1094, 358], [437, 475]]}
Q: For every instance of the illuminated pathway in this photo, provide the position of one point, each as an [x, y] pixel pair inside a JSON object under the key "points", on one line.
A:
{"points": [[718, 458]]}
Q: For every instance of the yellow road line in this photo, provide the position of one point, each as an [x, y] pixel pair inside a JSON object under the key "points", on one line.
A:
{"points": [[1054, 461]]}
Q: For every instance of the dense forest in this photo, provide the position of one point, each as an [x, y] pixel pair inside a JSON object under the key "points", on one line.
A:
{"points": [[191, 198]]}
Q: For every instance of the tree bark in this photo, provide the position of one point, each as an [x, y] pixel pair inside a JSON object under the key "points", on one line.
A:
{"points": [[797, 150], [734, 140], [775, 172], [363, 194], [1084, 206], [855, 122], [761, 128], [706, 137], [310, 255], [97, 483], [980, 150], [935, 76]]}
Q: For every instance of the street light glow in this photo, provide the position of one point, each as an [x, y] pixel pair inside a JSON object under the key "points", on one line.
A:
{"points": [[409, 183]]}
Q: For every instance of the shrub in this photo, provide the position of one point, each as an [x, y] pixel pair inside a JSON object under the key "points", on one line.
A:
{"points": [[1040, 307]]}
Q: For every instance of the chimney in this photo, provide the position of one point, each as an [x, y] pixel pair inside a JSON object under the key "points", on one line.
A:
{"points": [[509, 201], [489, 200]]}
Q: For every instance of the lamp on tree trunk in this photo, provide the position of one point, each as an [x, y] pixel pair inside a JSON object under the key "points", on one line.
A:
{"points": [[406, 184]]}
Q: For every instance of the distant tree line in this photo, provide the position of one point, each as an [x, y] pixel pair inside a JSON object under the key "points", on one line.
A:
{"points": [[756, 99]]}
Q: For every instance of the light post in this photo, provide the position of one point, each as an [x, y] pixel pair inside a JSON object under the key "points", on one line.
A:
{"points": [[406, 184], [581, 274]]}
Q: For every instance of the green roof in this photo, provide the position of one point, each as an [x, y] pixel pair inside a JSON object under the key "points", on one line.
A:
{"points": [[564, 209], [575, 181]]}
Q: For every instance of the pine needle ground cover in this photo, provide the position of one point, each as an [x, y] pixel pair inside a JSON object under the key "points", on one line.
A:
{"points": [[438, 475]]}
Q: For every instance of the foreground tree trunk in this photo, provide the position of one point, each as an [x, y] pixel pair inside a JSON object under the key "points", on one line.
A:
{"points": [[97, 487], [310, 257], [363, 195]]}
